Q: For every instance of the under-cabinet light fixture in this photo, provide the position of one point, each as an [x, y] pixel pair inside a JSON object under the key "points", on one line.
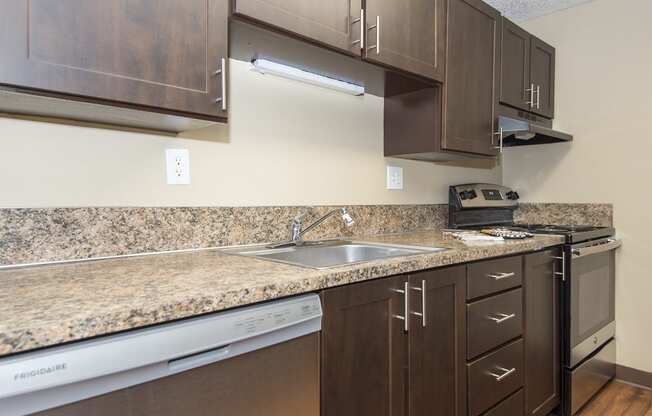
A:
{"points": [[265, 66]]}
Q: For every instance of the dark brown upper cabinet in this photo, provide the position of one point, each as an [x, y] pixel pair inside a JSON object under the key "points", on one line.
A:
{"points": [[374, 363], [470, 95], [407, 35], [334, 23], [527, 71], [456, 119], [542, 348], [542, 75], [164, 55], [515, 88]]}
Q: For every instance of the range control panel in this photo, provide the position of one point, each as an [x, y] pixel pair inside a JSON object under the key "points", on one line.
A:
{"points": [[483, 195]]}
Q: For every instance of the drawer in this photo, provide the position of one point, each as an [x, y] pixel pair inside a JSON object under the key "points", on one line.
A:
{"points": [[493, 276], [494, 321], [494, 377], [514, 405]]}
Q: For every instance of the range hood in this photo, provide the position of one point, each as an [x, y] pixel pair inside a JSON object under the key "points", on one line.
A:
{"points": [[523, 129]]}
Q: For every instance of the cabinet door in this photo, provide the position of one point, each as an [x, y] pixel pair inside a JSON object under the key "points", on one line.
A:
{"points": [[542, 347], [335, 23], [408, 35], [470, 94], [437, 344], [542, 75], [515, 88], [155, 53], [364, 347]]}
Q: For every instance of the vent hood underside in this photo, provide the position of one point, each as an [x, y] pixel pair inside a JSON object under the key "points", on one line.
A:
{"points": [[517, 132]]}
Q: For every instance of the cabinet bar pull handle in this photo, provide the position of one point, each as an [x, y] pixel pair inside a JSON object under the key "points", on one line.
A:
{"points": [[501, 276], [377, 27], [563, 267], [222, 72], [499, 133], [538, 96], [506, 372], [531, 91], [361, 20], [406, 314], [421, 314], [503, 317]]}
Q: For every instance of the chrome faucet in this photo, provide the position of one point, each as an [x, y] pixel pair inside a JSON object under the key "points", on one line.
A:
{"points": [[297, 231]]}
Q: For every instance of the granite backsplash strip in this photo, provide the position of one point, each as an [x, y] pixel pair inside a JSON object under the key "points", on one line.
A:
{"points": [[565, 214], [35, 235], [55, 234]]}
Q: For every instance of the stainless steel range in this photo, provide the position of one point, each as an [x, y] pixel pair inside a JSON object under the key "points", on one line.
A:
{"points": [[587, 272]]}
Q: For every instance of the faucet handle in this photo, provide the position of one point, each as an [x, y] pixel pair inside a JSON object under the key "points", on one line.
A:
{"points": [[346, 217], [300, 216]]}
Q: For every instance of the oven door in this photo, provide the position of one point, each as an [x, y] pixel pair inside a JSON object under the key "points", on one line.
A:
{"points": [[591, 295]]}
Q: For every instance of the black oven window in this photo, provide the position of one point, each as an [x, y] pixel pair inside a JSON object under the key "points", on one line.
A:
{"points": [[595, 295]]}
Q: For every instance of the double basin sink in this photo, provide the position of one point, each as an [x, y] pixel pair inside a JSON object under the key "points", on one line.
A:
{"points": [[327, 254]]}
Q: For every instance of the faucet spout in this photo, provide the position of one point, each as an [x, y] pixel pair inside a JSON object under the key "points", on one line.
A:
{"points": [[297, 231]]}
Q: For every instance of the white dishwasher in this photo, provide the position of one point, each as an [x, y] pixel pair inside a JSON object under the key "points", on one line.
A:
{"points": [[257, 360]]}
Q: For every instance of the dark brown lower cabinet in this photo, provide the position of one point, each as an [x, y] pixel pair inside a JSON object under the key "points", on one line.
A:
{"points": [[364, 350], [373, 364], [437, 342], [542, 348]]}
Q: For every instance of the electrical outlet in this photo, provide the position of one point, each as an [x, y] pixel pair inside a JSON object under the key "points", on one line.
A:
{"points": [[394, 177], [178, 166]]}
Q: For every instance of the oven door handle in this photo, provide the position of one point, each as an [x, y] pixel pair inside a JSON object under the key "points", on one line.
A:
{"points": [[610, 244]]}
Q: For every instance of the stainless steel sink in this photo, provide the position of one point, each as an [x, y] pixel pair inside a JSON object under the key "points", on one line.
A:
{"points": [[330, 254]]}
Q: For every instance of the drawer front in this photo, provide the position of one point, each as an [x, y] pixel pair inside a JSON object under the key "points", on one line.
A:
{"points": [[493, 276], [495, 377], [494, 321], [511, 406]]}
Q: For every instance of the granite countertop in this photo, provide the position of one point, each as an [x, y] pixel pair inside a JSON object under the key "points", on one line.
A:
{"points": [[48, 305]]}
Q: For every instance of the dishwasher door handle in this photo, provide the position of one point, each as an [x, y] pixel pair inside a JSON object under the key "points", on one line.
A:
{"points": [[197, 360]]}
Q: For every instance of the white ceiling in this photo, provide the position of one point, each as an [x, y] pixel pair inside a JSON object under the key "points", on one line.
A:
{"points": [[520, 10]]}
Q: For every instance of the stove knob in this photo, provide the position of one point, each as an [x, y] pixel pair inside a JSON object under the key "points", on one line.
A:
{"points": [[512, 195], [464, 195]]}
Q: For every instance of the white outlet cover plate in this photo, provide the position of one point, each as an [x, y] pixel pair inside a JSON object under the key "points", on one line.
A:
{"points": [[177, 163], [394, 177]]}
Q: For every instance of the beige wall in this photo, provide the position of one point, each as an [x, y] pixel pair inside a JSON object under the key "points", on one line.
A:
{"points": [[604, 62], [287, 143]]}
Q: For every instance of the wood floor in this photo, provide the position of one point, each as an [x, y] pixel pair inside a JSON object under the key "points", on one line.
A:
{"points": [[620, 399]]}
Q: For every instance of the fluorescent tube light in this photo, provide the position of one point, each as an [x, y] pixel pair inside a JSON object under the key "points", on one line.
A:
{"points": [[265, 66]]}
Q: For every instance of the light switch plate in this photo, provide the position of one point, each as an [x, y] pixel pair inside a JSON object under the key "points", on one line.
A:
{"points": [[177, 163], [394, 177]]}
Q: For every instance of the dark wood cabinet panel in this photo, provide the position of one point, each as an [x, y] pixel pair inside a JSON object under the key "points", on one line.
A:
{"points": [[515, 87], [511, 406], [155, 53], [493, 276], [542, 346], [542, 75], [486, 389], [494, 321], [364, 347], [407, 35], [437, 357], [470, 93], [333, 23]]}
